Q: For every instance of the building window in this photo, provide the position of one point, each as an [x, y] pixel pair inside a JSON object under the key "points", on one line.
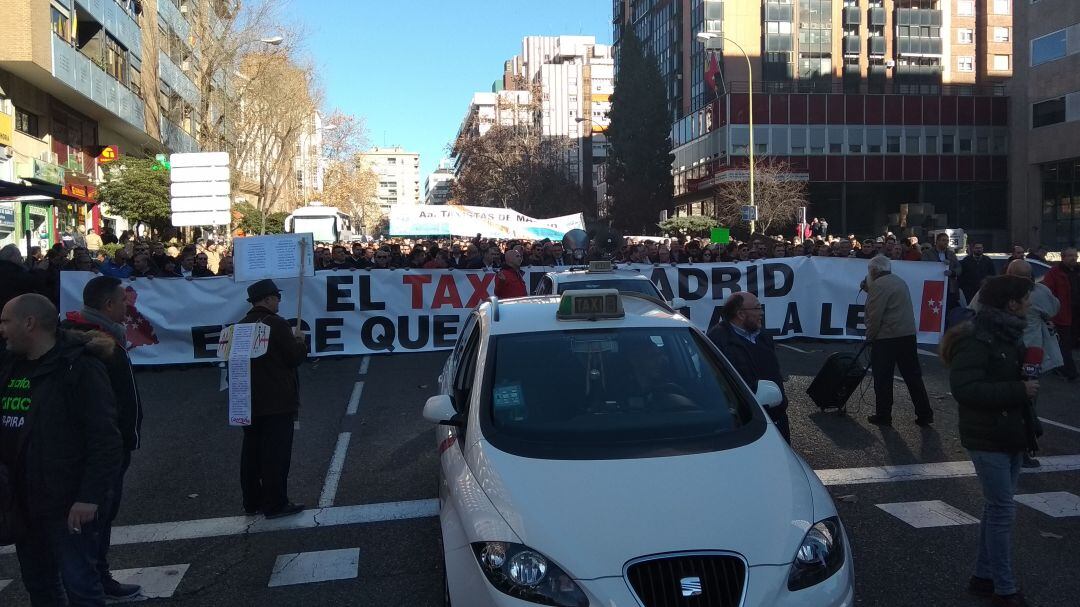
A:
{"points": [[27, 123], [61, 25], [982, 145], [391, 160], [1001, 63], [965, 36], [965, 8], [965, 64], [892, 144], [965, 144], [948, 143], [931, 144], [1045, 113], [1001, 34], [1002, 7], [912, 144], [1049, 47]]}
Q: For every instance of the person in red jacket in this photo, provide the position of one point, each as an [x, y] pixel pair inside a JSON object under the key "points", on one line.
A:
{"points": [[1063, 280], [509, 282]]}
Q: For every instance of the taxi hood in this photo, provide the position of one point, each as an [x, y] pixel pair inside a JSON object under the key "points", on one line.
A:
{"points": [[592, 516]]}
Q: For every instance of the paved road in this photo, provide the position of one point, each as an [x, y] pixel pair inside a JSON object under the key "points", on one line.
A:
{"points": [[184, 536]]}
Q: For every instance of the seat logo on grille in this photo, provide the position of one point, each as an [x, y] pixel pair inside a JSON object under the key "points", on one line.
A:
{"points": [[691, 586]]}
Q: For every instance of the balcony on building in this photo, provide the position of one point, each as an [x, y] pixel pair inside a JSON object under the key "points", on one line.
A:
{"points": [[852, 45], [852, 15], [99, 63], [877, 17], [877, 46]]}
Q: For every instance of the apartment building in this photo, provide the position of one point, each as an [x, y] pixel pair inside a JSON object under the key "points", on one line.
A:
{"points": [[399, 176], [1045, 134], [878, 104], [437, 185], [82, 81]]}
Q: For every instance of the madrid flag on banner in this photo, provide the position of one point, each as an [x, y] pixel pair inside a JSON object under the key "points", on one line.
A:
{"points": [[932, 314]]}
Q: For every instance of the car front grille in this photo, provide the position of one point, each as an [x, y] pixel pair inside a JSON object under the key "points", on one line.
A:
{"points": [[697, 580]]}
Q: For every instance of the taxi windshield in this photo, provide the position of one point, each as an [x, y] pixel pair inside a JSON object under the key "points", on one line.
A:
{"points": [[606, 393], [624, 285]]}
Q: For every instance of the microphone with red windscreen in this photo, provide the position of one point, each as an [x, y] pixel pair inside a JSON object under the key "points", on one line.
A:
{"points": [[1033, 358]]}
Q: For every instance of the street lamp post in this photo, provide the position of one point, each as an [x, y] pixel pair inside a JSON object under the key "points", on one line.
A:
{"points": [[704, 37]]}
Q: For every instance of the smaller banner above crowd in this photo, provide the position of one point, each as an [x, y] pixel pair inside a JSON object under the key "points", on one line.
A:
{"points": [[488, 222]]}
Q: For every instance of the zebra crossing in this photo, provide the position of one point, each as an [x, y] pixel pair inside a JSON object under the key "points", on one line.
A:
{"points": [[936, 513], [292, 569]]}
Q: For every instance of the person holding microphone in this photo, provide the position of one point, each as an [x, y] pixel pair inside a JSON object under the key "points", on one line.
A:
{"points": [[985, 358]]}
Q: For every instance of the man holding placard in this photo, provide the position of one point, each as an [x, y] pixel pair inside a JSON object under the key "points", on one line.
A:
{"points": [[275, 401]]}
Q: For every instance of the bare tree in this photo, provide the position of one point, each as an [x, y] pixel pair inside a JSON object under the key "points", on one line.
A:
{"points": [[277, 108], [778, 194], [514, 165]]}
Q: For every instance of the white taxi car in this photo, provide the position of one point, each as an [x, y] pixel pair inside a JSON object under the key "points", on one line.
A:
{"points": [[601, 275], [597, 449]]}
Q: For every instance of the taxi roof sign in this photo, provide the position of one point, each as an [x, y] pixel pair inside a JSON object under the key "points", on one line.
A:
{"points": [[590, 304], [600, 266]]}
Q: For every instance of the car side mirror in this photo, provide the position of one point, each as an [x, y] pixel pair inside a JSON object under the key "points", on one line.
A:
{"points": [[768, 394], [678, 303], [440, 410]]}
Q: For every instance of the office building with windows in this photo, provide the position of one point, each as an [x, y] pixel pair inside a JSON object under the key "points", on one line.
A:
{"points": [[437, 186], [398, 172], [876, 103], [82, 81], [1045, 135]]}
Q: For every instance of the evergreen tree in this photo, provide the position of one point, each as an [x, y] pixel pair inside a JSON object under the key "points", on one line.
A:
{"points": [[137, 189], [639, 163]]}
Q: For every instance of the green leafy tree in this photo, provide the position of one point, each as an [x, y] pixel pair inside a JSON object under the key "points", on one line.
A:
{"points": [[137, 189], [250, 219], [694, 225], [639, 163]]}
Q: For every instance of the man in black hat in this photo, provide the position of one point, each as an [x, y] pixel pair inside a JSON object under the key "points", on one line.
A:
{"points": [[275, 400]]}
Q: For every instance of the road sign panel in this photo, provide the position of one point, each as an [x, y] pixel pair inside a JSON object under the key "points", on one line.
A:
{"points": [[200, 188], [188, 174], [203, 203], [202, 218], [200, 159]]}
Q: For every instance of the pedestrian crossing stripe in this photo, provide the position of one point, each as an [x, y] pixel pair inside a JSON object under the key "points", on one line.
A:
{"points": [[312, 567], [932, 513], [1058, 504], [156, 582]]}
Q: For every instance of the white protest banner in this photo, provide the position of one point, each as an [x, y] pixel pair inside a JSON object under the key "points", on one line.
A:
{"points": [[366, 312], [277, 256], [489, 222]]}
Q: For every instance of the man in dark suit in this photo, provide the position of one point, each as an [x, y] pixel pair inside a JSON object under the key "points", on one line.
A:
{"points": [[275, 401], [750, 350], [974, 270]]}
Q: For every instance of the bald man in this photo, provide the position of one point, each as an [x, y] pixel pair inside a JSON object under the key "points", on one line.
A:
{"points": [[59, 438], [509, 282], [750, 350]]}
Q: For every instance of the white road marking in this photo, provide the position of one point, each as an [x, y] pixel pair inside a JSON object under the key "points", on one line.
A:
{"points": [[311, 567], [933, 513], [938, 470], [3, 584], [1058, 504], [333, 475], [796, 349], [925, 353], [364, 362], [354, 398], [1059, 424], [156, 582]]}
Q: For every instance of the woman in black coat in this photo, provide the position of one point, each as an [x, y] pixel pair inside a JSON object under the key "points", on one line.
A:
{"points": [[997, 423]]}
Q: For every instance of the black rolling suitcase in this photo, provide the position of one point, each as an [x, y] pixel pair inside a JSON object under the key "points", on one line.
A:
{"points": [[838, 378]]}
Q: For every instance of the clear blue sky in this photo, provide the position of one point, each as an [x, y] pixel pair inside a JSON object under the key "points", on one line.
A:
{"points": [[409, 68]]}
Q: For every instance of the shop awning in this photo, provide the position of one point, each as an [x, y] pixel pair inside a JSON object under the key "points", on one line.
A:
{"points": [[16, 191]]}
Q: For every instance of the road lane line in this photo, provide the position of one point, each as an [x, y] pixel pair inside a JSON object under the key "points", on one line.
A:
{"points": [[240, 525], [364, 362], [354, 399], [312, 567], [934, 471], [795, 349], [333, 475], [1059, 424], [156, 582]]}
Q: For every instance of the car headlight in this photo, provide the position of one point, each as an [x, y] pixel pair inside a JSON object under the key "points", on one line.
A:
{"points": [[525, 574], [820, 555]]}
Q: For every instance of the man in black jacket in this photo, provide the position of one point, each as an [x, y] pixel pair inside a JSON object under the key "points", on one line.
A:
{"points": [[974, 270], [275, 401], [101, 324], [58, 433], [750, 350]]}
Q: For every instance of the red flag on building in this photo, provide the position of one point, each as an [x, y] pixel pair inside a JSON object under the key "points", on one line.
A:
{"points": [[712, 72], [933, 306]]}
